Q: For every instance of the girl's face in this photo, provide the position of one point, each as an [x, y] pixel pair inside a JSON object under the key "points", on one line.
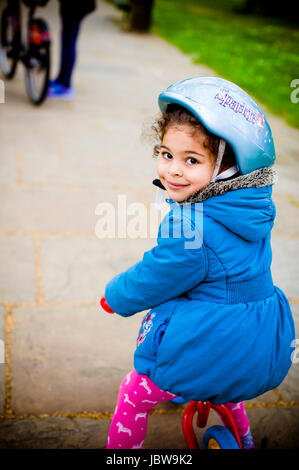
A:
{"points": [[185, 165]]}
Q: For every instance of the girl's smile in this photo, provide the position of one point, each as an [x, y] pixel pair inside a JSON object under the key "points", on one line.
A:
{"points": [[185, 165]]}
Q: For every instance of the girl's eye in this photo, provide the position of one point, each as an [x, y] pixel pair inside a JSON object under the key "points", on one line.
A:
{"points": [[167, 155], [193, 161]]}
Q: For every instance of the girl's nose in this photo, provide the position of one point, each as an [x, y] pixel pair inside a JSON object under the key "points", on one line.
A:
{"points": [[175, 170]]}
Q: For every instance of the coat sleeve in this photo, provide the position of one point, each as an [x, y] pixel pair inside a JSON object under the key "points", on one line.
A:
{"points": [[175, 265]]}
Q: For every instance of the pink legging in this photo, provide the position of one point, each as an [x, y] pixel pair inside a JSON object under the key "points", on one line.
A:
{"points": [[137, 396]]}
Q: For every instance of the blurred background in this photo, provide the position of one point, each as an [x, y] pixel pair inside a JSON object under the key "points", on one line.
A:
{"points": [[253, 43], [84, 145]]}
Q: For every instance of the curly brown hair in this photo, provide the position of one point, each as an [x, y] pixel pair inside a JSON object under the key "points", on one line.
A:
{"points": [[176, 115]]}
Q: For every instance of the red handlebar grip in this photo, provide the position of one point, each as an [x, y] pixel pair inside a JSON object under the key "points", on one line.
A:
{"points": [[105, 306]]}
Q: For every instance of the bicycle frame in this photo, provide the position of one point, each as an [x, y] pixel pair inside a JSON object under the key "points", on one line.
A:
{"points": [[203, 410], [20, 47], [33, 50], [15, 9]]}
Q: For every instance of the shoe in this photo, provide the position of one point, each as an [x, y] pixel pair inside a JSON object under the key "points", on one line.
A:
{"points": [[247, 441], [52, 84], [58, 91]]}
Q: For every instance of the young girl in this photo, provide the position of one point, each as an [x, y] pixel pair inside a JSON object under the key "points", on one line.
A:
{"points": [[218, 329]]}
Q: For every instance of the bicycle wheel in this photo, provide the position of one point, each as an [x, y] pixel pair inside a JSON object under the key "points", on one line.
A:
{"points": [[37, 61], [10, 43], [219, 437]]}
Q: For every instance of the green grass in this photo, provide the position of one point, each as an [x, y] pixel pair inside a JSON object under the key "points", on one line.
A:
{"points": [[259, 54]]}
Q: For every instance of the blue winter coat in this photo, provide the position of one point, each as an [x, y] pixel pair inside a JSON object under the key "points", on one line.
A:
{"points": [[218, 328]]}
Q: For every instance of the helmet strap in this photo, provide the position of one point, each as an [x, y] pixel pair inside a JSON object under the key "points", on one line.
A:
{"points": [[160, 194], [221, 150]]}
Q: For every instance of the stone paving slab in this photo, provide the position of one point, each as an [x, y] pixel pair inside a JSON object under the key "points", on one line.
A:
{"points": [[287, 218], [285, 268], [43, 211], [287, 182], [95, 168], [8, 172], [278, 427], [2, 360], [76, 269], [164, 431], [69, 157], [53, 433], [289, 388], [63, 360], [82, 161], [17, 269]]}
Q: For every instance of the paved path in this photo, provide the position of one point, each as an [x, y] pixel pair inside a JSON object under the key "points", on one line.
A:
{"points": [[64, 356]]}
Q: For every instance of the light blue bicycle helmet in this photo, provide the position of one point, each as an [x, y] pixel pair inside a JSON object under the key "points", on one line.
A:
{"points": [[228, 112]]}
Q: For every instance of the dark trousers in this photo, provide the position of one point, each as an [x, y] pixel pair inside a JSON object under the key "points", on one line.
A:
{"points": [[69, 35]]}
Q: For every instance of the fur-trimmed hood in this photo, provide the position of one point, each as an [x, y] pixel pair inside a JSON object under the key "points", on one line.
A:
{"points": [[255, 179], [242, 204]]}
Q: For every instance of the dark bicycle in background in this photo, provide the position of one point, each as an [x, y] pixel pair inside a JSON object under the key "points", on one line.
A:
{"points": [[34, 52]]}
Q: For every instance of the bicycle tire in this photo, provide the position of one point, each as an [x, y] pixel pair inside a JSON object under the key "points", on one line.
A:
{"points": [[38, 61], [9, 50], [37, 96], [219, 437]]}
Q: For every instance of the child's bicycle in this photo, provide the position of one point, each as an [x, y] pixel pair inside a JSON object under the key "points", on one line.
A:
{"points": [[34, 52], [215, 437]]}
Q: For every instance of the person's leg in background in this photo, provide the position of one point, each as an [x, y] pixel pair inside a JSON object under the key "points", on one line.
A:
{"points": [[62, 86], [137, 396], [69, 36]]}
